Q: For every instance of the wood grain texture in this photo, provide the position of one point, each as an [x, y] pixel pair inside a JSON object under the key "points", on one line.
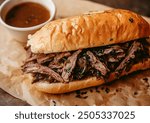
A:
{"points": [[7, 99]]}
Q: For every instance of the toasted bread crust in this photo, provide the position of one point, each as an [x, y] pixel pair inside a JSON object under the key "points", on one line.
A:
{"points": [[57, 88], [89, 30]]}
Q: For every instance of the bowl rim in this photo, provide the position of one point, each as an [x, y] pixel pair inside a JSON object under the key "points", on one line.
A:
{"points": [[52, 11]]}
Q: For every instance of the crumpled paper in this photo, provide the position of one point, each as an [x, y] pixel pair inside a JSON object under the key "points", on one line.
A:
{"points": [[129, 90]]}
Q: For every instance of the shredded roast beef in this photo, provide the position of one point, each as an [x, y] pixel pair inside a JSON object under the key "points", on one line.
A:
{"points": [[116, 57], [56, 66], [60, 56], [36, 68], [42, 59], [70, 65], [97, 64], [113, 49], [81, 64], [112, 59], [130, 55], [109, 50]]}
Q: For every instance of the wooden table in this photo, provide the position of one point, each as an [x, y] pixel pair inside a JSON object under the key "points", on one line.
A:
{"points": [[138, 6], [134, 5], [141, 7]]}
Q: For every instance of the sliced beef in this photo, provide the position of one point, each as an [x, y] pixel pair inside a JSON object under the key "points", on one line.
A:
{"points": [[116, 58], [112, 59], [77, 65], [31, 58], [97, 64], [42, 58], [60, 56], [120, 56], [113, 49], [81, 68], [110, 50], [136, 46], [56, 66], [70, 65], [36, 68], [82, 63], [27, 64]]}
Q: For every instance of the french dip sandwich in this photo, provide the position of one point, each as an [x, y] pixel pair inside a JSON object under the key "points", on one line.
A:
{"points": [[88, 50]]}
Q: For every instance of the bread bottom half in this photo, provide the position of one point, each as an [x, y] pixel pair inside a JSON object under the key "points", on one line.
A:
{"points": [[57, 88]]}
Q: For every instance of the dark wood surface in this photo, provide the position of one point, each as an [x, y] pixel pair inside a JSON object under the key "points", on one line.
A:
{"points": [[10, 101], [140, 6]]}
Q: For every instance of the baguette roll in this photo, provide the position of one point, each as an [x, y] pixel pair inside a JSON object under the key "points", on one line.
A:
{"points": [[89, 30], [87, 50]]}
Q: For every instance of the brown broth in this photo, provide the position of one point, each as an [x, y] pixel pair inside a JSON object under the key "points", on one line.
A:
{"points": [[27, 15]]}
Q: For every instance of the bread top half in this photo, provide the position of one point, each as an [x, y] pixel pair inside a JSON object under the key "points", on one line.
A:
{"points": [[89, 30]]}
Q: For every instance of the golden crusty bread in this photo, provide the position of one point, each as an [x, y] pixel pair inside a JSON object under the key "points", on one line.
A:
{"points": [[57, 88], [89, 30]]}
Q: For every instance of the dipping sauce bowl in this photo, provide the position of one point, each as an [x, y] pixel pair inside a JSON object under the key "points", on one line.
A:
{"points": [[20, 21]]}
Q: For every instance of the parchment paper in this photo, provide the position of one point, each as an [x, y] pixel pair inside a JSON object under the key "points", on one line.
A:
{"points": [[130, 90]]}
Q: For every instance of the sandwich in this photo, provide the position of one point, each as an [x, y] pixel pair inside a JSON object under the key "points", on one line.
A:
{"points": [[87, 50]]}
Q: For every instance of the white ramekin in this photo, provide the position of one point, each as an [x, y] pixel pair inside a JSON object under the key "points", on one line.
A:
{"points": [[21, 34]]}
